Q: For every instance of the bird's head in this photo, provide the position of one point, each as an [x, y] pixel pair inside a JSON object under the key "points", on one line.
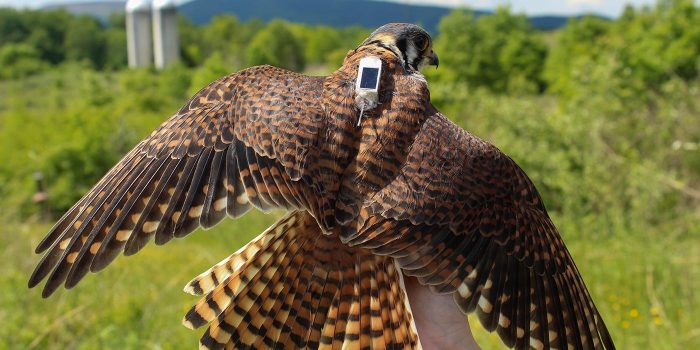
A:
{"points": [[409, 42]]}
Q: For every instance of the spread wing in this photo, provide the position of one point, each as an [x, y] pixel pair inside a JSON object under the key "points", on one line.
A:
{"points": [[465, 219], [245, 140]]}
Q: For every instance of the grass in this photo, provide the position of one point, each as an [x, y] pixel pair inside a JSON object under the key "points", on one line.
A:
{"points": [[645, 289], [136, 303]]}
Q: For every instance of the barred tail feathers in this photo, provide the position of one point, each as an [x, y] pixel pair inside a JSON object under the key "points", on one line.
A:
{"points": [[294, 287]]}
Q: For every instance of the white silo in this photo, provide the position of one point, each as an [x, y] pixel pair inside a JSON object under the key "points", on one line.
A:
{"points": [[138, 33], [166, 48]]}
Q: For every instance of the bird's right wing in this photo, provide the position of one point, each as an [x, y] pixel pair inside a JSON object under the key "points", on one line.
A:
{"points": [[465, 219], [247, 139]]}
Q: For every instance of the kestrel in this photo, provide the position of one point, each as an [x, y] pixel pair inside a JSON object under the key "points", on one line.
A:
{"points": [[372, 194]]}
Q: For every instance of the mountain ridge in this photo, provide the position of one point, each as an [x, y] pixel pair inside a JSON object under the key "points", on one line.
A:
{"points": [[336, 13]]}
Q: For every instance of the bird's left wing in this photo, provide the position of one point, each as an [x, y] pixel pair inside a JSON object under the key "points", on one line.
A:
{"points": [[246, 139], [465, 219]]}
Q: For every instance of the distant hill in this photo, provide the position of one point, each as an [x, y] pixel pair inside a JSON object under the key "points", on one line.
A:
{"points": [[342, 13], [338, 13], [99, 9]]}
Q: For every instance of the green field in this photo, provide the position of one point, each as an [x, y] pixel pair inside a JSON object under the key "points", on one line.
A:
{"points": [[135, 304]]}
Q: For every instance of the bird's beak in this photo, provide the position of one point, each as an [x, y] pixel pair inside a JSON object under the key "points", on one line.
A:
{"points": [[434, 61]]}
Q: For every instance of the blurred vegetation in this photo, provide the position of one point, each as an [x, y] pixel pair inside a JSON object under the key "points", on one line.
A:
{"points": [[500, 52], [604, 115]]}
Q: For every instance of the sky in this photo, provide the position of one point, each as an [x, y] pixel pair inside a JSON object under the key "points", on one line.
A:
{"points": [[611, 8]]}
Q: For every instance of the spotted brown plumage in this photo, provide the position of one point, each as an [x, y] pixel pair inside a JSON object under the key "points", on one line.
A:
{"points": [[405, 192]]}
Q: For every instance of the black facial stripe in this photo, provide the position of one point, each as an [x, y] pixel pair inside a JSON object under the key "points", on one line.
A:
{"points": [[402, 45]]}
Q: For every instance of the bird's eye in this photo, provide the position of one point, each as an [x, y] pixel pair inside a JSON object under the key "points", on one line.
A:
{"points": [[422, 43]]}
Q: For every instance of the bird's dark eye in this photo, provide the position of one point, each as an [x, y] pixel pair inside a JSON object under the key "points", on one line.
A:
{"points": [[422, 43]]}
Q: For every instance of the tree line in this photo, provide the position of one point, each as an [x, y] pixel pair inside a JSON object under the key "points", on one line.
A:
{"points": [[500, 52]]}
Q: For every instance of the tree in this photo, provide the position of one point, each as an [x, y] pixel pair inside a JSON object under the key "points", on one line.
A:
{"points": [[192, 49], [501, 51], [84, 40], [580, 43], [115, 42], [319, 41], [348, 38], [13, 26], [115, 48], [660, 42], [630, 58], [19, 60], [48, 33], [276, 45], [223, 35]]}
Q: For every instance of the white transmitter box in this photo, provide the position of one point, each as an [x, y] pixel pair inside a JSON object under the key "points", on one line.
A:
{"points": [[369, 74]]}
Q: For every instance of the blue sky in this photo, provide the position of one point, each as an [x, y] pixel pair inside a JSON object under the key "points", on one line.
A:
{"points": [[606, 7]]}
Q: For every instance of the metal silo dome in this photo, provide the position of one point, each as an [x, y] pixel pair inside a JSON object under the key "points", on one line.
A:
{"points": [[138, 5], [164, 4]]}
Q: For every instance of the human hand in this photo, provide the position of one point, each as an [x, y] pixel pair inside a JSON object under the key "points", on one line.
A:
{"points": [[440, 323]]}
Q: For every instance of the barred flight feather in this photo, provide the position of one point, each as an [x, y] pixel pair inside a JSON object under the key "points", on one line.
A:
{"points": [[293, 287]]}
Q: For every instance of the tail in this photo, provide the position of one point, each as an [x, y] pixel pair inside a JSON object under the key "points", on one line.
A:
{"points": [[294, 287]]}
